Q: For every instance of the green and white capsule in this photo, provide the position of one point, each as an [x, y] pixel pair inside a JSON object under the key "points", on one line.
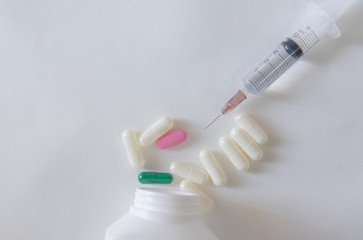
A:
{"points": [[245, 122], [155, 178], [247, 144], [133, 149]]}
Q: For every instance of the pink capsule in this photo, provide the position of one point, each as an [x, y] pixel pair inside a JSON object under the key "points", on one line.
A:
{"points": [[171, 139]]}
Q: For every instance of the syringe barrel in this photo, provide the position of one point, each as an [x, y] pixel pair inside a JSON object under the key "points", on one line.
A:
{"points": [[275, 64], [316, 25]]}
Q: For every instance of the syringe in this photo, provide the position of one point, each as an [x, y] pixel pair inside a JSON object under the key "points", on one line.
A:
{"points": [[318, 24]]}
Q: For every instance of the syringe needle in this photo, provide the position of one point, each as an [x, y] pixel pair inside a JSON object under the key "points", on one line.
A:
{"points": [[213, 121], [231, 104]]}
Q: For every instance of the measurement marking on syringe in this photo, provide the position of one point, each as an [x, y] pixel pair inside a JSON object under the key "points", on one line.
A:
{"points": [[281, 57], [303, 42], [265, 78], [254, 85], [313, 36], [273, 67], [284, 61], [314, 42], [310, 39], [262, 75], [306, 40], [317, 39]]}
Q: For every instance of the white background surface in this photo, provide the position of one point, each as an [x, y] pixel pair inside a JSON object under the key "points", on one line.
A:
{"points": [[74, 74]]}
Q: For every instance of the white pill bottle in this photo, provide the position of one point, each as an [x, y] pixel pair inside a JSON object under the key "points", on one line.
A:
{"points": [[161, 214]]}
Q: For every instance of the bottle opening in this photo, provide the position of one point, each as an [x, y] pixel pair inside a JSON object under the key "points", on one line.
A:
{"points": [[166, 201]]}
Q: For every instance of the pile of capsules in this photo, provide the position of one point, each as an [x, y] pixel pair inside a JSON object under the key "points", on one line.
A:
{"points": [[239, 148]]}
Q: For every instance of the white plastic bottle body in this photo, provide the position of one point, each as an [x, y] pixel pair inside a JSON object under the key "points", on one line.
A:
{"points": [[161, 214], [132, 227]]}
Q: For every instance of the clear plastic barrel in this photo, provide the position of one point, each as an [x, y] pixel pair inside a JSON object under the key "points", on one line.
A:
{"points": [[262, 76], [316, 25]]}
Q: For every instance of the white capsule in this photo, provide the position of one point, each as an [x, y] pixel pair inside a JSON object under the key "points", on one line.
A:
{"points": [[245, 122], [190, 172], [247, 144], [211, 165], [157, 130], [234, 154], [133, 149], [206, 203]]}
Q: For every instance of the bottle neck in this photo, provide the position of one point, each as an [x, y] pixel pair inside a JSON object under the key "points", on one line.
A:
{"points": [[162, 205]]}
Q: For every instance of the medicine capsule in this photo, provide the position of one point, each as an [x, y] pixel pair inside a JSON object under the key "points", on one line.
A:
{"points": [[133, 149], [234, 154], [213, 168], [245, 122], [190, 172], [155, 131], [247, 144], [171, 139], [155, 178], [206, 203]]}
